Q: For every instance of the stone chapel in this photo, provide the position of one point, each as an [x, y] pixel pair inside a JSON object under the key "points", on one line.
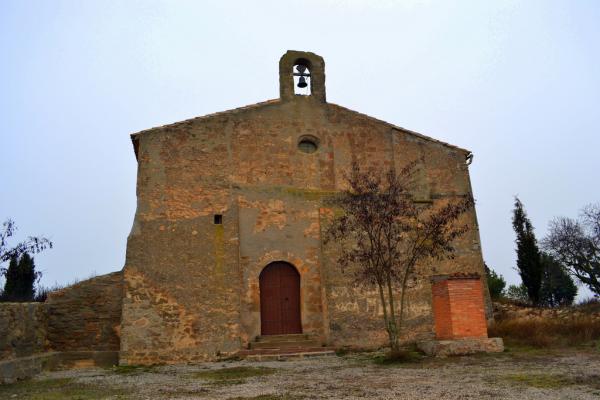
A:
{"points": [[226, 256], [226, 249]]}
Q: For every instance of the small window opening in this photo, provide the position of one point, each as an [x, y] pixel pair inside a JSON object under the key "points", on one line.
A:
{"points": [[301, 75], [308, 144], [218, 219]]}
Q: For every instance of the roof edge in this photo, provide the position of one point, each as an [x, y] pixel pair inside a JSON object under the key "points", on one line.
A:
{"points": [[399, 128], [232, 110]]}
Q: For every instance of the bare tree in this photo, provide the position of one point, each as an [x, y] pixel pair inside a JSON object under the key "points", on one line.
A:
{"points": [[31, 245], [576, 244], [384, 235]]}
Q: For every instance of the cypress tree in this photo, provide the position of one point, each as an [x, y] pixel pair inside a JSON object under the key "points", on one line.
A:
{"points": [[20, 279], [558, 288], [529, 263], [12, 278], [27, 278]]}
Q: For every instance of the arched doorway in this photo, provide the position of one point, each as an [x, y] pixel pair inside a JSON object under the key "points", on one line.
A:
{"points": [[280, 299]]}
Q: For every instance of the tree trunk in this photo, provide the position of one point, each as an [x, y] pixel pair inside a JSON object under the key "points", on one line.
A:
{"points": [[392, 324], [385, 315], [402, 296]]}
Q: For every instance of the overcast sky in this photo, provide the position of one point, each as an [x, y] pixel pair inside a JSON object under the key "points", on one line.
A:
{"points": [[518, 83]]}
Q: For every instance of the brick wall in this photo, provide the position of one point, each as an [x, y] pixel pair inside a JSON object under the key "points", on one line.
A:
{"points": [[441, 310], [458, 307]]}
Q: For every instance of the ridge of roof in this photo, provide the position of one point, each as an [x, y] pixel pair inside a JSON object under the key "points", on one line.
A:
{"points": [[232, 110], [417, 134]]}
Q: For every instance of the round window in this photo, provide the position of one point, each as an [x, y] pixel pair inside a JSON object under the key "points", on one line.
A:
{"points": [[308, 144]]}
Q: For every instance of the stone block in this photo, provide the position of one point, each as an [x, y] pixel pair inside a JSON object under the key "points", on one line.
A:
{"points": [[22, 329], [445, 348], [25, 367]]}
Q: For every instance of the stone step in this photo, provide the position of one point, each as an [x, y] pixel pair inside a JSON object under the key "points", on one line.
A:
{"points": [[285, 354], [283, 338], [284, 344]]}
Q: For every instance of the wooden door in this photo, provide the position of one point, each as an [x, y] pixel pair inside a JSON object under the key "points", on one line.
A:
{"points": [[280, 299]]}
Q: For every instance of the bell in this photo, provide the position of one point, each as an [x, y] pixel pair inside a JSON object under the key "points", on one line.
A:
{"points": [[302, 83]]}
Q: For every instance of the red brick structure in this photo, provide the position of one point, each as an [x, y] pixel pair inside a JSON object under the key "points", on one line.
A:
{"points": [[458, 307]]}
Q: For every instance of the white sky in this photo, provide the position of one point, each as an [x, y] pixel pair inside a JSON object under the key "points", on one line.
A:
{"points": [[517, 83]]}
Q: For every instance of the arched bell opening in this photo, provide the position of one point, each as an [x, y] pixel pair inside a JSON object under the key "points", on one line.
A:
{"points": [[302, 77], [279, 284]]}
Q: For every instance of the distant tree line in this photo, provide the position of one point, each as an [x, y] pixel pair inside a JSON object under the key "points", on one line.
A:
{"points": [[570, 250]]}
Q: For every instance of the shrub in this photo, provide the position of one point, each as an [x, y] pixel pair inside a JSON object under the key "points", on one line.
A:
{"points": [[518, 294], [495, 282], [42, 292], [548, 332]]}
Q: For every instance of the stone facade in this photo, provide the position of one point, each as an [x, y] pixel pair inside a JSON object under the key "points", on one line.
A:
{"points": [[222, 196]]}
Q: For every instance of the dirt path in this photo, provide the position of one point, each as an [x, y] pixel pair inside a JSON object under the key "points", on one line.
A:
{"points": [[524, 375]]}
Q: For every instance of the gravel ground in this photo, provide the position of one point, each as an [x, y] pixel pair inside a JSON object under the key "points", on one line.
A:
{"points": [[510, 375]]}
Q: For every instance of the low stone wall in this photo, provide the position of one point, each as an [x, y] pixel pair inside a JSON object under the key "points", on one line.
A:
{"points": [[77, 326], [445, 348], [87, 315], [22, 329], [25, 367], [505, 311]]}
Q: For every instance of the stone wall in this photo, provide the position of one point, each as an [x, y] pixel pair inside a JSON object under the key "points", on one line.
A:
{"points": [[192, 286], [508, 311], [86, 316], [77, 326], [22, 330]]}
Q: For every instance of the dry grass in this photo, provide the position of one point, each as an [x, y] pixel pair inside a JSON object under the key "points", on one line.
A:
{"points": [[233, 375], [548, 332], [541, 381], [59, 389], [589, 305], [270, 397], [399, 357], [132, 369], [552, 381]]}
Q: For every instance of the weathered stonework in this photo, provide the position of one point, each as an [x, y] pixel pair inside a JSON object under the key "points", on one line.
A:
{"points": [[22, 329], [86, 316], [460, 347], [78, 326], [192, 288]]}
